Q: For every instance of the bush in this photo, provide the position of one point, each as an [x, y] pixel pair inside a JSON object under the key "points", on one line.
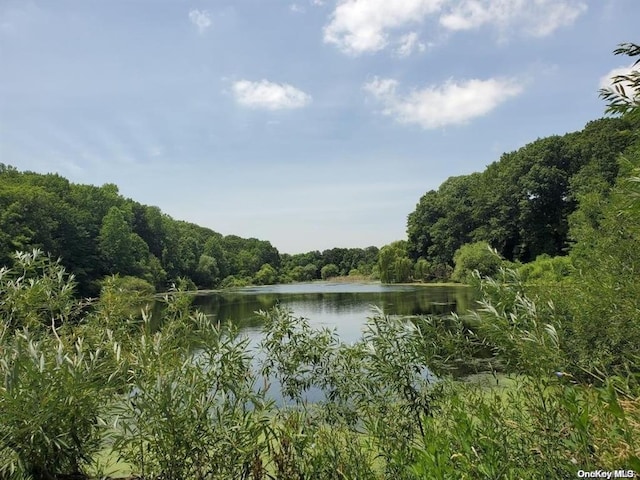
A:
{"points": [[546, 269], [234, 282], [56, 388], [122, 299], [36, 292], [54, 399], [192, 411], [475, 256]]}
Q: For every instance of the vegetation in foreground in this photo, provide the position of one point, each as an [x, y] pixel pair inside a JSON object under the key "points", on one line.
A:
{"points": [[190, 400]]}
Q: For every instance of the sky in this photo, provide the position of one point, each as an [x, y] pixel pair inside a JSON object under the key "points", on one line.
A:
{"points": [[309, 123]]}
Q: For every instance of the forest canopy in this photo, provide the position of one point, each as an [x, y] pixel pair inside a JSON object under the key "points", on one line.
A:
{"points": [[97, 233]]}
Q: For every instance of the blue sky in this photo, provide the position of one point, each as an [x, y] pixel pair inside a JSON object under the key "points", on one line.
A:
{"points": [[312, 124]]}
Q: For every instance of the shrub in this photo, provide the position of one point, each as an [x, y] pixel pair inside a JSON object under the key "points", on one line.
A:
{"points": [[36, 292], [546, 269], [192, 411], [475, 256], [54, 397]]}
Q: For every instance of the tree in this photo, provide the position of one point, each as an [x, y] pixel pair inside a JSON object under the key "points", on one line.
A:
{"points": [[421, 270], [475, 256], [207, 273], [267, 275], [394, 264], [124, 251], [328, 271]]}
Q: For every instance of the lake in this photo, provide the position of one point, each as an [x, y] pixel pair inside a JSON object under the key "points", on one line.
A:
{"points": [[339, 305]]}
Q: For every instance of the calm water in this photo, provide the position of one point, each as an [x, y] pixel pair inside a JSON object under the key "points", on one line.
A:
{"points": [[344, 306]]}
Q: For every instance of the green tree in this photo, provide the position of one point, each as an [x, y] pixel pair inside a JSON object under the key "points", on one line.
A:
{"points": [[394, 264], [475, 256], [267, 275], [328, 271], [124, 251], [207, 273], [421, 270]]}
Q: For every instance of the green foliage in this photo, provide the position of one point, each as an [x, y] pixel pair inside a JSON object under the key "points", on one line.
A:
{"points": [[534, 428], [546, 269], [306, 448], [182, 401], [192, 411], [522, 332], [421, 270], [207, 273], [474, 257], [328, 271], [133, 286], [36, 292], [624, 97], [267, 275], [308, 266], [97, 232], [124, 251], [602, 298], [53, 400], [56, 390], [121, 299], [520, 204], [233, 282], [393, 263]]}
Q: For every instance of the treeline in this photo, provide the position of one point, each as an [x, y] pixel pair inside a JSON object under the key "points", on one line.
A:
{"points": [[330, 263], [521, 205], [97, 232]]}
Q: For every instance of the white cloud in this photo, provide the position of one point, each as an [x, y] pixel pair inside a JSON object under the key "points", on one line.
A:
{"points": [[537, 18], [359, 26], [408, 44], [269, 95], [201, 19], [453, 103], [295, 8], [382, 88], [606, 81]]}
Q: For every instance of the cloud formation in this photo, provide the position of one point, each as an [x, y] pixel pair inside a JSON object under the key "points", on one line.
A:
{"points": [[537, 18], [453, 103], [361, 26], [408, 44], [268, 95], [201, 19]]}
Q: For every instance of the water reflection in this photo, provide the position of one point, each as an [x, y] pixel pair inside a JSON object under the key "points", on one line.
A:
{"points": [[343, 306]]}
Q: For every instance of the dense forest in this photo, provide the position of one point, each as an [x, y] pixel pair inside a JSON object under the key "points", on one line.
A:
{"points": [[97, 232], [521, 205]]}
